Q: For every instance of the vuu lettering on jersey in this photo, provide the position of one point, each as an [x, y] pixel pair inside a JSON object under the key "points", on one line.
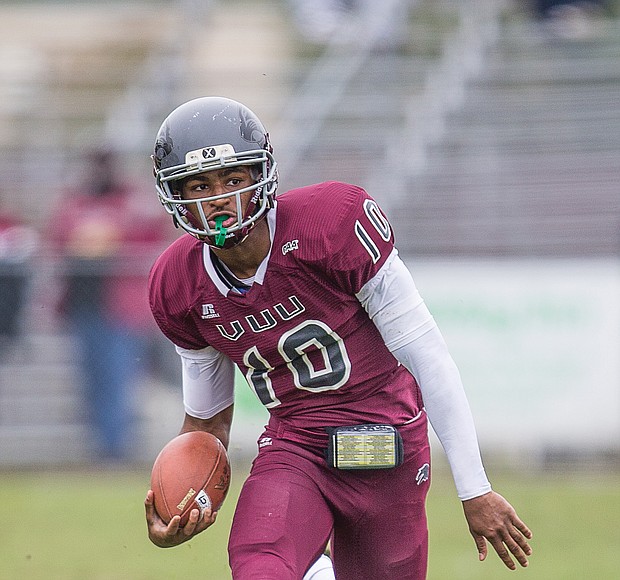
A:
{"points": [[265, 320], [299, 335]]}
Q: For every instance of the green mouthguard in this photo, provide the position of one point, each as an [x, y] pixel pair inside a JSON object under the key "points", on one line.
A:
{"points": [[220, 237]]}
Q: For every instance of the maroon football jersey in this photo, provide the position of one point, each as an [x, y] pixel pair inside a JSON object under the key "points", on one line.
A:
{"points": [[301, 338]]}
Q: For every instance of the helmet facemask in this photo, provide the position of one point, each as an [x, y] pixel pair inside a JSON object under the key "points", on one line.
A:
{"points": [[263, 170]]}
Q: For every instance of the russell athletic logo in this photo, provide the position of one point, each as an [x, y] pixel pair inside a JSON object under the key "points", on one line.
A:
{"points": [[208, 312]]}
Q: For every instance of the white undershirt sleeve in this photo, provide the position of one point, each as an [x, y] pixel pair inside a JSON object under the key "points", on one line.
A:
{"points": [[411, 334], [208, 381]]}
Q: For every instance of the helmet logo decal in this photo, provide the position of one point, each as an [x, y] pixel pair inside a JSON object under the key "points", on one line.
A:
{"points": [[209, 153], [163, 145], [250, 130], [162, 148]]}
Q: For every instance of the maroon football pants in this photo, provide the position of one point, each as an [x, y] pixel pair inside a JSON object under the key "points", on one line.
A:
{"points": [[293, 503]]}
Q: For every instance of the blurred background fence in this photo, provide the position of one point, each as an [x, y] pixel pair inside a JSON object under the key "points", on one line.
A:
{"points": [[488, 130]]}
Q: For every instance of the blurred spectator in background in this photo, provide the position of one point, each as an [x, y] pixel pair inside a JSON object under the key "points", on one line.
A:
{"points": [[318, 21], [571, 19], [18, 242], [345, 21], [107, 241]]}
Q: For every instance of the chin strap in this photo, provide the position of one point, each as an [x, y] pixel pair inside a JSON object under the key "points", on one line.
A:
{"points": [[220, 237]]}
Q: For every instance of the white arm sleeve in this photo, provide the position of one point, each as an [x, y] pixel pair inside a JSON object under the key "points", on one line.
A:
{"points": [[411, 334], [208, 381]]}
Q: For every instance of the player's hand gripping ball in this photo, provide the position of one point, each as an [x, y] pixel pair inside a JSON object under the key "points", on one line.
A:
{"points": [[191, 471]]}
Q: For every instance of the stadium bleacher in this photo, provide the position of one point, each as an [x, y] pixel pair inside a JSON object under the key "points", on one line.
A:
{"points": [[524, 161]]}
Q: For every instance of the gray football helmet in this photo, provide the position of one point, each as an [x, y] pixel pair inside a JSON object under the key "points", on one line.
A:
{"points": [[206, 134]]}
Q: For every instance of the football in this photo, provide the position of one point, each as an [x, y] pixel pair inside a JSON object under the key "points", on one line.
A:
{"points": [[191, 471]]}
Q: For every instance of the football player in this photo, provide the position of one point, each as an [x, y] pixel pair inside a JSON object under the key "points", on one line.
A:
{"points": [[307, 295]]}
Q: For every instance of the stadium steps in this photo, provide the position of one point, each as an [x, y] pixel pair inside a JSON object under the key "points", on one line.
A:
{"points": [[41, 421], [245, 50], [63, 67], [370, 107], [528, 165], [73, 60]]}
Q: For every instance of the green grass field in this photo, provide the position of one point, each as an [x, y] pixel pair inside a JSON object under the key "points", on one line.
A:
{"points": [[89, 525]]}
